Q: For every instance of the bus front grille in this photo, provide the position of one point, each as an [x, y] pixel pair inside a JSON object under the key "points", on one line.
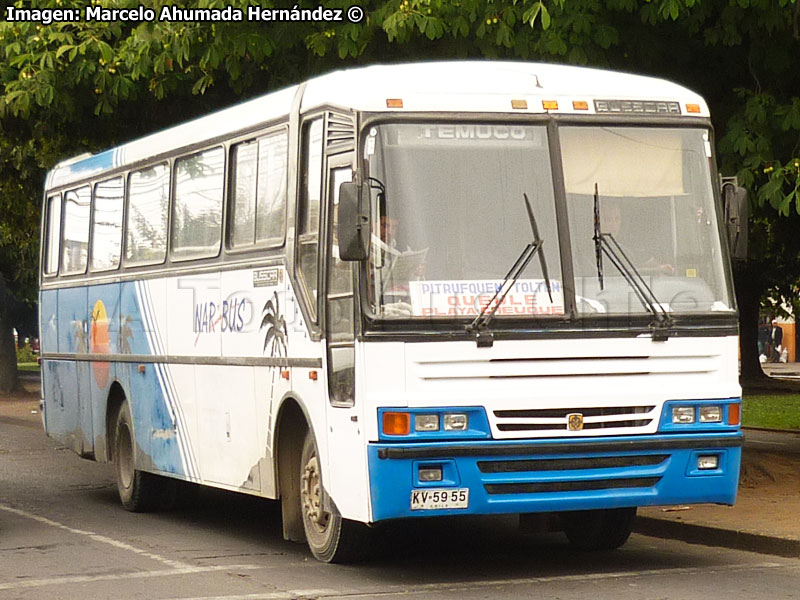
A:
{"points": [[565, 474], [570, 464], [626, 419], [570, 486]]}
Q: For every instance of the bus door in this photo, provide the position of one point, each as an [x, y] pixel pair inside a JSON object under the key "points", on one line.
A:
{"points": [[345, 431]]}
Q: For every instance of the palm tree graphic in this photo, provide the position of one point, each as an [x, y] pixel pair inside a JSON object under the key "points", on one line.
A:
{"points": [[276, 336], [80, 335], [125, 335]]}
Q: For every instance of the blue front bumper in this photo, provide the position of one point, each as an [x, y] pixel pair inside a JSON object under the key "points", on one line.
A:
{"points": [[548, 475]]}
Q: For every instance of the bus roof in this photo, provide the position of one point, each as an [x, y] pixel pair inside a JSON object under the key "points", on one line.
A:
{"points": [[463, 86]]}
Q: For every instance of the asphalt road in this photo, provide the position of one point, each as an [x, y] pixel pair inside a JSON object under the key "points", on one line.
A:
{"points": [[773, 441], [64, 535]]}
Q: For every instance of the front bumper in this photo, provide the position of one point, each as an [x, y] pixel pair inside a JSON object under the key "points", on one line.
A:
{"points": [[549, 475]]}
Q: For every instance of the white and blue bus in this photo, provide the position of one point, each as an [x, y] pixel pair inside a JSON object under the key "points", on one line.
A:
{"points": [[404, 291]]}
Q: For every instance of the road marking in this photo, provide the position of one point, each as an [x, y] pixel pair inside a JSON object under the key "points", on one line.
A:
{"points": [[287, 595], [765, 443], [176, 564], [188, 570], [405, 590], [176, 567]]}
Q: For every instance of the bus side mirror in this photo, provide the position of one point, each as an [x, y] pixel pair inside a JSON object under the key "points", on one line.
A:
{"points": [[353, 221], [737, 211]]}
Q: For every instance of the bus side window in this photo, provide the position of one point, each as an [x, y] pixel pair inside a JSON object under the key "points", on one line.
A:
{"points": [[53, 239], [148, 200], [258, 193], [309, 212], [197, 210], [109, 197], [75, 250]]}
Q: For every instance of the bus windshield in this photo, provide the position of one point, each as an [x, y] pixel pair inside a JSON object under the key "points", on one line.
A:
{"points": [[651, 190], [449, 219]]}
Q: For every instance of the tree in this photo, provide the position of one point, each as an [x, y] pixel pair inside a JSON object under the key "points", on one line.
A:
{"points": [[67, 87]]}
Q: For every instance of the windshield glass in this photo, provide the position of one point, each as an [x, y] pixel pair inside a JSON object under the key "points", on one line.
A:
{"points": [[654, 197], [450, 220]]}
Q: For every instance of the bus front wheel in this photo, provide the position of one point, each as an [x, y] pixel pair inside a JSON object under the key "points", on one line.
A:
{"points": [[593, 530], [330, 537], [138, 491]]}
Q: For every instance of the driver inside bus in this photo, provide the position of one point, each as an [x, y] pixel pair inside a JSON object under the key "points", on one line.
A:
{"points": [[647, 257], [394, 267]]}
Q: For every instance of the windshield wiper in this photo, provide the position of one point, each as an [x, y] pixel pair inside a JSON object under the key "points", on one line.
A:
{"points": [[605, 243], [542, 259], [598, 253], [481, 322]]}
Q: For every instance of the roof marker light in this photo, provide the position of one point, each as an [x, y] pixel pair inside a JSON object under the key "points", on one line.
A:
{"points": [[550, 104], [519, 104], [394, 103], [580, 105]]}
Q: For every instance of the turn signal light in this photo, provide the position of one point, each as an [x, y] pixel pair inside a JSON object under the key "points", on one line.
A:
{"points": [[396, 423], [734, 414]]}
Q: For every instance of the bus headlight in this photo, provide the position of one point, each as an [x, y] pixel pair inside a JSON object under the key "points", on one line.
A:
{"points": [[711, 414], [426, 422], [683, 414], [708, 463], [456, 422]]}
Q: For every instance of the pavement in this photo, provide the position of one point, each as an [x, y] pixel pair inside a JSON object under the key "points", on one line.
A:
{"points": [[765, 518]]}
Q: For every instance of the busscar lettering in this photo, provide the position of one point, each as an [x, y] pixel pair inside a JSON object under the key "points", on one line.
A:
{"points": [[45, 16]]}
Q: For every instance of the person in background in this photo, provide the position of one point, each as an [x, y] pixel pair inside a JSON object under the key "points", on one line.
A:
{"points": [[775, 341]]}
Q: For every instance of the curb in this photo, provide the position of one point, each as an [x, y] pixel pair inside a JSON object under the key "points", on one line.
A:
{"points": [[715, 536], [769, 430]]}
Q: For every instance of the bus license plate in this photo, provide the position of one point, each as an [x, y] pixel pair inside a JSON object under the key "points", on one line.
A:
{"points": [[439, 499]]}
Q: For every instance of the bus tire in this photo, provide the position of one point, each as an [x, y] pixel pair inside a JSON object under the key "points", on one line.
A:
{"points": [[138, 491], [596, 530], [331, 538]]}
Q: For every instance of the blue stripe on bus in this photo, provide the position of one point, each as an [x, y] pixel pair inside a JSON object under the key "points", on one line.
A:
{"points": [[665, 477], [167, 436], [76, 393], [83, 168]]}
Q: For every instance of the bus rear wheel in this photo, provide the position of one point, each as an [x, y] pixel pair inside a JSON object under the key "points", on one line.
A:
{"points": [[138, 491], [330, 537], [593, 530]]}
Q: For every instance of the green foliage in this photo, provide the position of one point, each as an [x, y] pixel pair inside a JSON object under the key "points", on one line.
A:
{"points": [[25, 354]]}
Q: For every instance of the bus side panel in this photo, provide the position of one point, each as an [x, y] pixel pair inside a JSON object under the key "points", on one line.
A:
{"points": [[48, 321], [157, 426], [227, 425], [103, 304], [73, 332], [61, 412]]}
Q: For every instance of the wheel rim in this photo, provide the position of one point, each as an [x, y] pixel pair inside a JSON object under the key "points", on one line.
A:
{"points": [[311, 495], [125, 456]]}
